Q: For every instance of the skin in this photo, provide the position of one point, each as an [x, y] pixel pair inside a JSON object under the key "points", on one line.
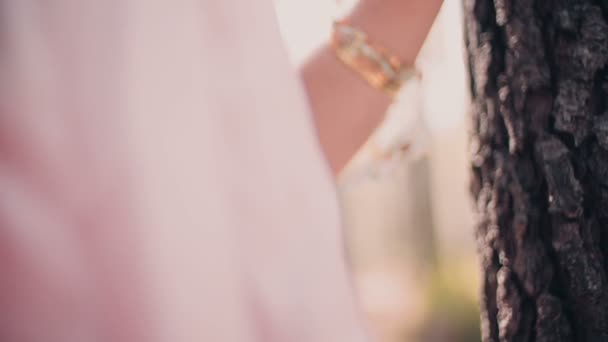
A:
{"points": [[346, 109]]}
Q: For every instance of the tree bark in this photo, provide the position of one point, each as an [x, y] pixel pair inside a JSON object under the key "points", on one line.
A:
{"points": [[539, 156]]}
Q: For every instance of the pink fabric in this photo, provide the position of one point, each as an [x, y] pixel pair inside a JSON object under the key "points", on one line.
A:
{"points": [[160, 179]]}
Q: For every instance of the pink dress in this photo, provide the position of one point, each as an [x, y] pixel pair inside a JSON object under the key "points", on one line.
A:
{"points": [[160, 179]]}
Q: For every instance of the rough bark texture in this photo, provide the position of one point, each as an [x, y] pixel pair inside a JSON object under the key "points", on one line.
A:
{"points": [[539, 150]]}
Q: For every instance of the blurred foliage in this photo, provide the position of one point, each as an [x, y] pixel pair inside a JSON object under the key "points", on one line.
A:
{"points": [[453, 308]]}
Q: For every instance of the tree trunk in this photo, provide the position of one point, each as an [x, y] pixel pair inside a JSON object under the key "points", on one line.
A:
{"points": [[539, 151]]}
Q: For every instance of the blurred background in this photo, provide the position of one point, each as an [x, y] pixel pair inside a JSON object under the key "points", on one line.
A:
{"points": [[409, 221]]}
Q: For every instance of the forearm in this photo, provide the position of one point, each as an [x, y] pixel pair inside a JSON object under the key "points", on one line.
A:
{"points": [[346, 109]]}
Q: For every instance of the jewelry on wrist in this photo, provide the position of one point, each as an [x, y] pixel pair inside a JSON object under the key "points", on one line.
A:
{"points": [[373, 63]]}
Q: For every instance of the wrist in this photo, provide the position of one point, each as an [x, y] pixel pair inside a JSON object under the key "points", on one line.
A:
{"points": [[400, 26]]}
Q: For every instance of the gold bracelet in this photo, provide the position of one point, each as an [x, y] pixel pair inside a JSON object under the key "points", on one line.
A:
{"points": [[375, 64]]}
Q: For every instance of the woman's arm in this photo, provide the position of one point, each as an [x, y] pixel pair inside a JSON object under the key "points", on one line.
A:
{"points": [[346, 108]]}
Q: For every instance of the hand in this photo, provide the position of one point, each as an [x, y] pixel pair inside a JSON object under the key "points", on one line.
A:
{"points": [[346, 109]]}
